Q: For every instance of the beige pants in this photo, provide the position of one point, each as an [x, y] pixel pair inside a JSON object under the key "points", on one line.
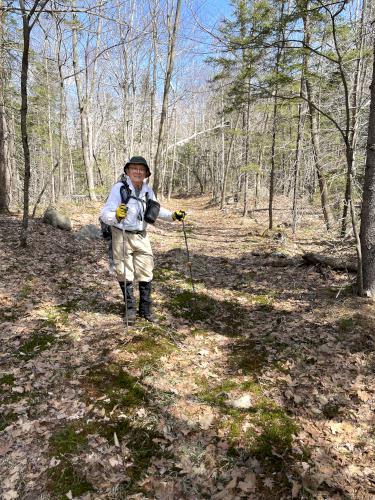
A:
{"points": [[139, 261]]}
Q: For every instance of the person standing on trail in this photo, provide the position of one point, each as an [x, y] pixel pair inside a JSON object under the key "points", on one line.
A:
{"points": [[129, 206]]}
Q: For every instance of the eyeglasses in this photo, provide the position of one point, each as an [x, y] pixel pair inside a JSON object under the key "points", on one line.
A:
{"points": [[141, 170]]}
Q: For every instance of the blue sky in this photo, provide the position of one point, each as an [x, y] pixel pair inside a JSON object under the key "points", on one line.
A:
{"points": [[210, 12]]}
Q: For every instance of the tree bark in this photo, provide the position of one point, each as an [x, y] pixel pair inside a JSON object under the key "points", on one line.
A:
{"points": [[367, 233], [352, 114], [84, 104], [279, 54], [24, 133], [314, 130], [5, 186], [167, 84]]}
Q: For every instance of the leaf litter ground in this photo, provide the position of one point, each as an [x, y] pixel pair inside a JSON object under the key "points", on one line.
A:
{"points": [[259, 385]]}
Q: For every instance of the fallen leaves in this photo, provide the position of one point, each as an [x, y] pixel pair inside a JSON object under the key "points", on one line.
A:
{"points": [[305, 365]]}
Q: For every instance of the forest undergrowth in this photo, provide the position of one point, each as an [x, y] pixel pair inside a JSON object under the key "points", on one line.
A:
{"points": [[260, 385]]}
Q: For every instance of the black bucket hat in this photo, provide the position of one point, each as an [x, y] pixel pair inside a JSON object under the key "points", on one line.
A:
{"points": [[138, 160]]}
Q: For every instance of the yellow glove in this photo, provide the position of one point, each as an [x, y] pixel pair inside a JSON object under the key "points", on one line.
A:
{"points": [[179, 215], [121, 211]]}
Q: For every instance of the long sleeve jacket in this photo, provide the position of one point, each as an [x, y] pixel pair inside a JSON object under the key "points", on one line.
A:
{"points": [[134, 220]]}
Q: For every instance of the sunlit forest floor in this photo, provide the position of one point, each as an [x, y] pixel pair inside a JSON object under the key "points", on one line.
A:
{"points": [[260, 385]]}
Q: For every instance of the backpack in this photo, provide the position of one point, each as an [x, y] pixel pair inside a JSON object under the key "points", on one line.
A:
{"points": [[150, 215]]}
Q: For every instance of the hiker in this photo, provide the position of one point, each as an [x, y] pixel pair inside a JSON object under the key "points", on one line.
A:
{"points": [[129, 206]]}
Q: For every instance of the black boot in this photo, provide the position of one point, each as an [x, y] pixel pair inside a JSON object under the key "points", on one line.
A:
{"points": [[145, 301], [130, 302]]}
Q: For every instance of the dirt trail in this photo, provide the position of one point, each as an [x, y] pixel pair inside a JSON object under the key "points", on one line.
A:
{"points": [[259, 385]]}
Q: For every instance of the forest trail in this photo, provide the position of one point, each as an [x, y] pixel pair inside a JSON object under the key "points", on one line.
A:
{"points": [[259, 386]]}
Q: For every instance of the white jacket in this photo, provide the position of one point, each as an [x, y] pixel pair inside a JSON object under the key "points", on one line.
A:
{"points": [[134, 220]]}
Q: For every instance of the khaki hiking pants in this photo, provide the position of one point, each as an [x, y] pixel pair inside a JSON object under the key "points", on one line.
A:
{"points": [[139, 260]]}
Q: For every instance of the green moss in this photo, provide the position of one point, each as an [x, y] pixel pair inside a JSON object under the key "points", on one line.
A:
{"points": [[59, 314], [63, 284], [277, 433], [346, 325], [218, 395], [214, 395], [248, 356], [37, 343], [150, 349], [7, 379], [26, 290], [65, 442], [6, 419], [141, 441], [331, 410], [269, 435], [68, 440], [200, 307], [270, 430], [164, 274], [66, 477], [120, 388], [234, 426], [194, 307], [263, 301], [9, 314]]}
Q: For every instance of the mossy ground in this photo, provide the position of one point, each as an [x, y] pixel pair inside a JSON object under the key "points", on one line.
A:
{"points": [[231, 337], [199, 307], [6, 419], [7, 379], [66, 477], [115, 389], [37, 343], [264, 430], [69, 439], [10, 313], [149, 350], [121, 390]]}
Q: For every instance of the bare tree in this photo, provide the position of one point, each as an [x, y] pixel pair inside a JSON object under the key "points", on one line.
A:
{"points": [[172, 28], [368, 204], [29, 18], [85, 95], [4, 166]]}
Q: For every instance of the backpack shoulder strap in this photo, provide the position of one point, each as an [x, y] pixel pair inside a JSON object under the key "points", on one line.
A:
{"points": [[125, 192]]}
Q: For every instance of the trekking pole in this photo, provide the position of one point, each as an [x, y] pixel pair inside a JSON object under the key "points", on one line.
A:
{"points": [[188, 257], [125, 290]]}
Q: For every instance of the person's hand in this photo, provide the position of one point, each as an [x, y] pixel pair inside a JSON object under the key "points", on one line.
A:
{"points": [[179, 215], [121, 211]]}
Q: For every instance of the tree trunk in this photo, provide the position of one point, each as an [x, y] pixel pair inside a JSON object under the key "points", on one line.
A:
{"points": [[50, 137], [5, 187], [227, 166], [352, 111], [153, 84], [84, 112], [273, 164], [368, 203], [24, 133], [279, 53], [167, 84], [328, 217], [62, 110], [297, 165]]}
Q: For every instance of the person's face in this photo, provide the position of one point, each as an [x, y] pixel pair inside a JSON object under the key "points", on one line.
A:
{"points": [[137, 174]]}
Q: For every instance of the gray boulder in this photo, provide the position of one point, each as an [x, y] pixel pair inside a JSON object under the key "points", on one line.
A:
{"points": [[56, 219], [89, 232]]}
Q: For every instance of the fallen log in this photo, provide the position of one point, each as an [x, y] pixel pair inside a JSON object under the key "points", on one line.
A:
{"points": [[329, 261]]}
